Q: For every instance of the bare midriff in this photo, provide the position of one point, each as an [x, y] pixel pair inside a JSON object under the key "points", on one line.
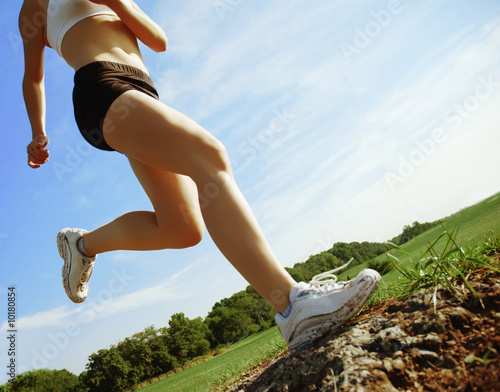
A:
{"points": [[101, 38]]}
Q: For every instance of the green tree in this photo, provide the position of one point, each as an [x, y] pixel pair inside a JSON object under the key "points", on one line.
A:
{"points": [[412, 231], [137, 353], [238, 316], [163, 362], [341, 251], [186, 338], [44, 380], [228, 325], [297, 275], [107, 371]]}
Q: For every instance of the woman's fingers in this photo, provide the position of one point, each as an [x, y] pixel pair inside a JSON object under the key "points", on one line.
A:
{"points": [[37, 153]]}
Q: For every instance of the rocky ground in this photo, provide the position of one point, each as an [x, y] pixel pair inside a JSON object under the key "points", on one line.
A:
{"points": [[400, 345]]}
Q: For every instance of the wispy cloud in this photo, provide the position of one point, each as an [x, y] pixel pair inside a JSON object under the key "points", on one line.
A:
{"points": [[430, 88], [314, 185], [265, 55], [107, 301], [48, 318]]}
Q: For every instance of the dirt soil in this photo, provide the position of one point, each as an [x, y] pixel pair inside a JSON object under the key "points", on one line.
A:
{"points": [[400, 345]]}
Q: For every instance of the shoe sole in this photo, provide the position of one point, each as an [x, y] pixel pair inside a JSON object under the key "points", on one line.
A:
{"points": [[350, 309], [64, 248]]}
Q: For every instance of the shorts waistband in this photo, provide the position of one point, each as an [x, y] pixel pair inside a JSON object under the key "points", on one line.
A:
{"points": [[96, 67]]}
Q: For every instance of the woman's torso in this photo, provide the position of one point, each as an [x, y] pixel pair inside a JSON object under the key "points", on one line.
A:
{"points": [[99, 38]]}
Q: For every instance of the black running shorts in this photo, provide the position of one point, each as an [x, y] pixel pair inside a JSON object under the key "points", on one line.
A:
{"points": [[97, 85]]}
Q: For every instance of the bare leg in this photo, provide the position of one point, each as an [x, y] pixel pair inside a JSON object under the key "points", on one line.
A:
{"points": [[166, 227], [162, 138]]}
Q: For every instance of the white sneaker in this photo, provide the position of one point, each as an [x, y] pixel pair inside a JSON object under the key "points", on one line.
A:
{"points": [[77, 269], [324, 305]]}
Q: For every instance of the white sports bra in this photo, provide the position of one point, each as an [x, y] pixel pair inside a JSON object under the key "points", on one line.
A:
{"points": [[62, 15]]}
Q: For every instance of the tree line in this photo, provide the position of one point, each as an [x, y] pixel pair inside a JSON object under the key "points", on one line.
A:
{"points": [[154, 352], [412, 231]]}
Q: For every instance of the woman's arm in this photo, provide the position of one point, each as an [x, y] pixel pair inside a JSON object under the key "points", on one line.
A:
{"points": [[33, 81], [147, 31]]}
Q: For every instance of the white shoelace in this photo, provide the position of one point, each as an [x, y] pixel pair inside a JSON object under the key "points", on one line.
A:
{"points": [[328, 277], [321, 283]]}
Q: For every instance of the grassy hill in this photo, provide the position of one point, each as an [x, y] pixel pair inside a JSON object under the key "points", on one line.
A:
{"points": [[471, 224], [226, 366]]}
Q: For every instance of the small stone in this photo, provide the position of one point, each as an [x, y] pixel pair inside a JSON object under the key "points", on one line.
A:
{"points": [[377, 323], [398, 364], [390, 338], [425, 354], [388, 364], [432, 341], [397, 354], [361, 338]]}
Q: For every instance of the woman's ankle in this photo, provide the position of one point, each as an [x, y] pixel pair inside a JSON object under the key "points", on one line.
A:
{"points": [[81, 248]]}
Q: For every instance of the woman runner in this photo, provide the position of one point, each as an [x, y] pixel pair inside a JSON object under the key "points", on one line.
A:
{"points": [[117, 109]]}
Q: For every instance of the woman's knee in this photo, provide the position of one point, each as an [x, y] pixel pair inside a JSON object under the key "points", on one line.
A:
{"points": [[213, 161], [189, 237], [217, 156], [184, 236]]}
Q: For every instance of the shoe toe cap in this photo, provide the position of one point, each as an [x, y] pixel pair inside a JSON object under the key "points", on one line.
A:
{"points": [[369, 274]]}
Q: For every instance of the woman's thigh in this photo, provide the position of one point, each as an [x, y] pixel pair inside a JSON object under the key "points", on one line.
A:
{"points": [[153, 133], [175, 200]]}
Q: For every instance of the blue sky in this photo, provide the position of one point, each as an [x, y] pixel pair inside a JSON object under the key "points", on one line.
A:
{"points": [[344, 122]]}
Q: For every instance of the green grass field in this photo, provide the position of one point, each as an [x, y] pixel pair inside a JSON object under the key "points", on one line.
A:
{"points": [[471, 224], [225, 367]]}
